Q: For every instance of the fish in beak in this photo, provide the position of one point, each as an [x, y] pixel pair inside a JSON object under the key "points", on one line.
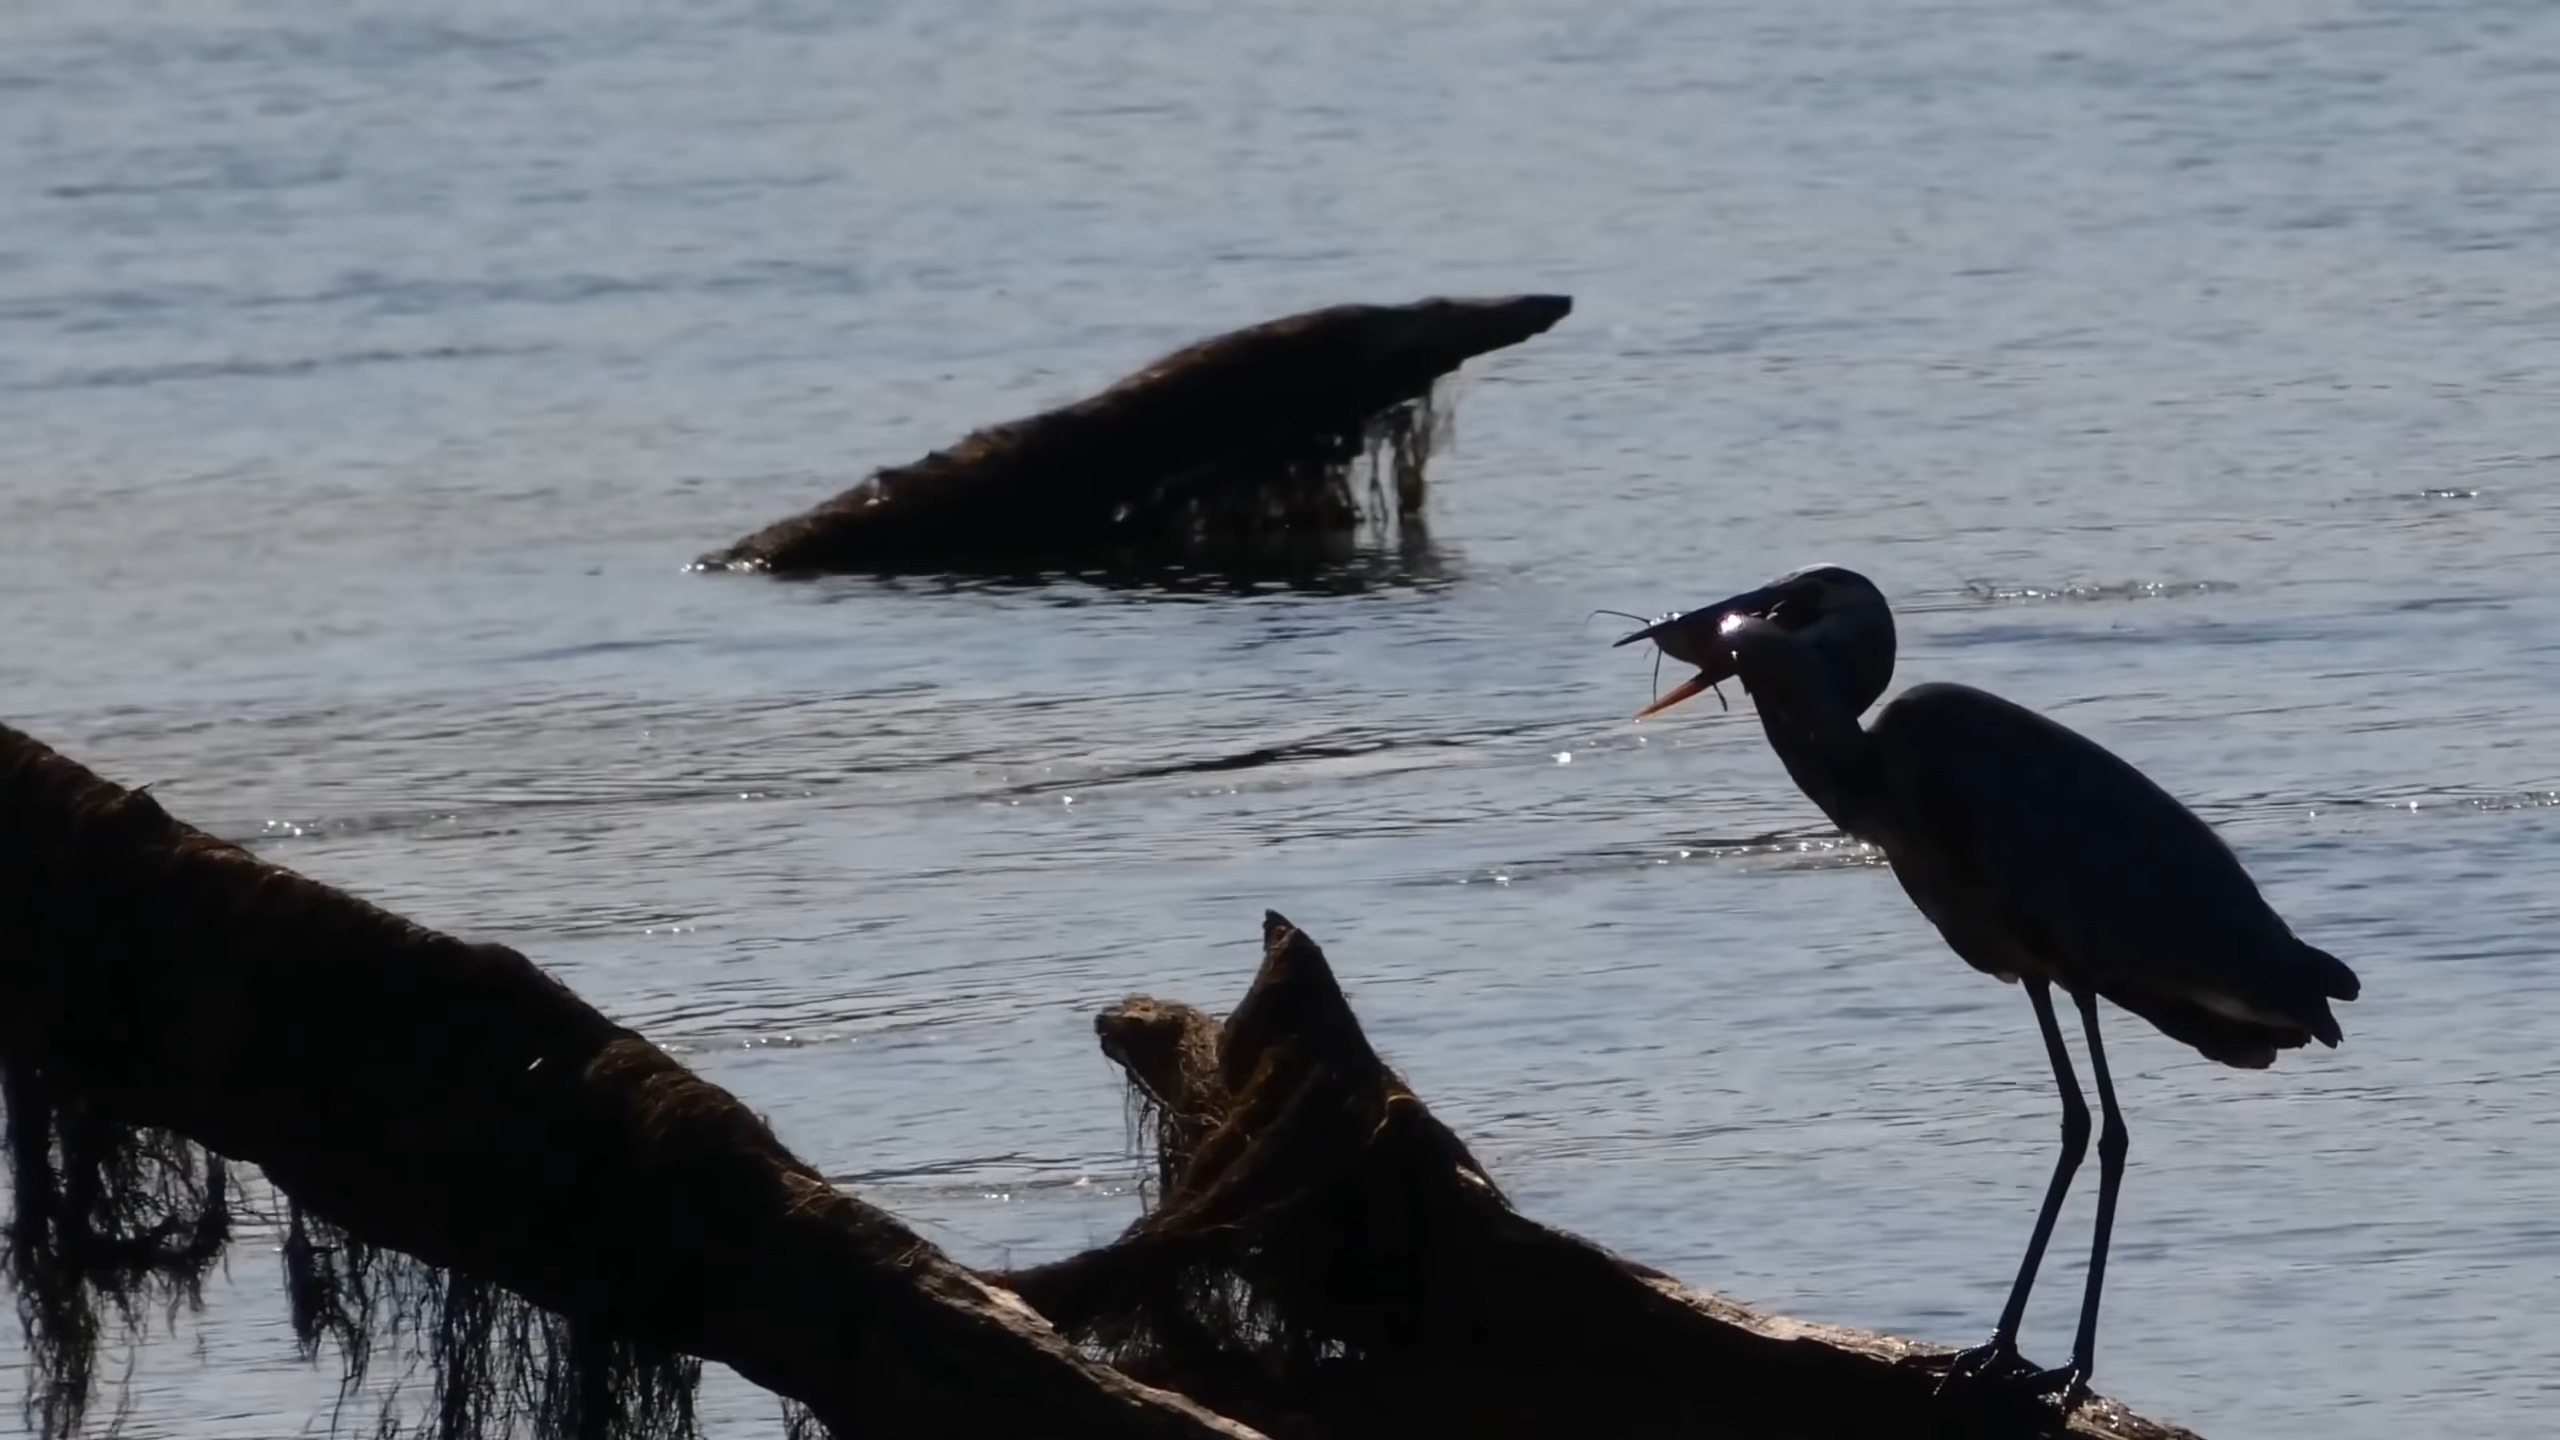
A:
{"points": [[1697, 638]]}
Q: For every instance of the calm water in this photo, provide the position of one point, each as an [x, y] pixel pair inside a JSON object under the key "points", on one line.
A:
{"points": [[2185, 369]]}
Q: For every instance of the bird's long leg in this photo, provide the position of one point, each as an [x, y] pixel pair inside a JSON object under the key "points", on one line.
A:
{"points": [[2001, 1354], [2075, 1145], [2072, 1381]]}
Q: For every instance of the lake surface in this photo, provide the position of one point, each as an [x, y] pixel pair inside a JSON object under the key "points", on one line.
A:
{"points": [[370, 373]]}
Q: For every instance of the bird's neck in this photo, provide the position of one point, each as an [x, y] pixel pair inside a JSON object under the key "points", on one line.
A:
{"points": [[1829, 762]]}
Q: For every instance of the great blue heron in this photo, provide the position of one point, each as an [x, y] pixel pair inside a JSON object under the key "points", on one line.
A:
{"points": [[2042, 859]]}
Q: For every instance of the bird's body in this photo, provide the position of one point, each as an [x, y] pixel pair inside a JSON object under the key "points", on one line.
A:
{"points": [[2040, 856], [2037, 852]]}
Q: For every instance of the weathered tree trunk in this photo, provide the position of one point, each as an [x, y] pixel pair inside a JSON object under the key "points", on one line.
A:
{"points": [[1327, 1260], [1246, 435], [453, 1102]]}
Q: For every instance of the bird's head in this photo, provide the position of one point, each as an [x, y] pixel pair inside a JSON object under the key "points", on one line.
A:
{"points": [[1835, 614]]}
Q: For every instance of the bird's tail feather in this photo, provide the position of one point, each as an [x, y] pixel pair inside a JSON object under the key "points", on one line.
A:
{"points": [[2336, 980], [2243, 1044]]}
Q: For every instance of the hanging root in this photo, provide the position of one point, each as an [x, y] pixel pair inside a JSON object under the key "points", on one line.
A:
{"points": [[499, 1366], [798, 1423], [1367, 480], [1399, 444], [106, 1223]]}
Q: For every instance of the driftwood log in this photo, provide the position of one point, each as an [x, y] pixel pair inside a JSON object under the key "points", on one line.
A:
{"points": [[159, 987], [1246, 436], [1325, 1259]]}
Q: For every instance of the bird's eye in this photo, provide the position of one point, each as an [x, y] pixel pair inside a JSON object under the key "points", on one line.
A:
{"points": [[1797, 611]]}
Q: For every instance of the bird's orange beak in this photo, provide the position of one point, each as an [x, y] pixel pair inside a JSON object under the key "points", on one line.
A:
{"points": [[1686, 689], [1698, 638]]}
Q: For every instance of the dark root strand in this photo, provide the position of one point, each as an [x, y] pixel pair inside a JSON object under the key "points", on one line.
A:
{"points": [[501, 1366], [104, 1221]]}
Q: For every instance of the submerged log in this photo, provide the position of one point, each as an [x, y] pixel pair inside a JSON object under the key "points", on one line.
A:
{"points": [[1326, 1259], [1244, 436], [161, 989]]}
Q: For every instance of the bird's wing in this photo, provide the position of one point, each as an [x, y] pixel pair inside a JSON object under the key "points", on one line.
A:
{"points": [[2025, 832]]}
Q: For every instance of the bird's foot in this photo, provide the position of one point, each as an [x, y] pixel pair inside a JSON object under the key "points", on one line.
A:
{"points": [[1996, 1362], [1997, 1366], [2066, 1386]]}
